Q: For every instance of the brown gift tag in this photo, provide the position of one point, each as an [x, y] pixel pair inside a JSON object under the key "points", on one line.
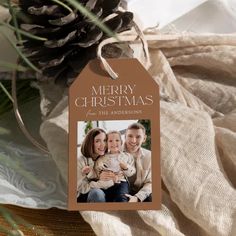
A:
{"points": [[113, 168]]}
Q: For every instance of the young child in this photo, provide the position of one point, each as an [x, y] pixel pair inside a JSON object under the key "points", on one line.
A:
{"points": [[118, 162], [121, 163]]}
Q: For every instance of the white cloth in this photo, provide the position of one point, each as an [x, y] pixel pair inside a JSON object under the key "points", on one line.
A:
{"points": [[161, 12], [197, 157]]}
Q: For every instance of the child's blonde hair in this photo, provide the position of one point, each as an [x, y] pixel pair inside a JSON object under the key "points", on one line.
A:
{"points": [[114, 132]]}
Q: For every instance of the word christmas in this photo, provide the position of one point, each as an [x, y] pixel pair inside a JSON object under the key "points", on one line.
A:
{"points": [[113, 95]]}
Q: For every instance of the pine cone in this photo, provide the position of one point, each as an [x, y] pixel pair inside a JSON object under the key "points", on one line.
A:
{"points": [[72, 39]]}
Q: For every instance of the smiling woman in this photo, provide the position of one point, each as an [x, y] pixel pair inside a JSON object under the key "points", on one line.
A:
{"points": [[93, 146], [100, 144]]}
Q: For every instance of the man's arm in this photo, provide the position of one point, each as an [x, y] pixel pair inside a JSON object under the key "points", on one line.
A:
{"points": [[146, 190]]}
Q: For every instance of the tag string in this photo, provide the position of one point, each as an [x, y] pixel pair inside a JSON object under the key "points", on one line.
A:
{"points": [[131, 37], [123, 37], [19, 118]]}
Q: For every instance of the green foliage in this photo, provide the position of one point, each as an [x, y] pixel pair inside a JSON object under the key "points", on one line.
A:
{"points": [[89, 126], [14, 221], [25, 93], [147, 126], [20, 53], [3, 3], [93, 18], [12, 66]]}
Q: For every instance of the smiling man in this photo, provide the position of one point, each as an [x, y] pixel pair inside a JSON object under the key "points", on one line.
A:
{"points": [[141, 182]]}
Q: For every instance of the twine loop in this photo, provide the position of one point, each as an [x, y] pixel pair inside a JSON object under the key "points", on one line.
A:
{"points": [[133, 37], [20, 120], [129, 37]]}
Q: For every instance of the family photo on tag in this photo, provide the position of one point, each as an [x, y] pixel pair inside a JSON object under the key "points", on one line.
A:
{"points": [[114, 161], [114, 141]]}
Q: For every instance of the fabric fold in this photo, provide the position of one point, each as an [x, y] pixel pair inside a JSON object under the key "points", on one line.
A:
{"points": [[196, 75]]}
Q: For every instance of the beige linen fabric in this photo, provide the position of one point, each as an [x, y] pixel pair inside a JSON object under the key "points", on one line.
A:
{"points": [[197, 78]]}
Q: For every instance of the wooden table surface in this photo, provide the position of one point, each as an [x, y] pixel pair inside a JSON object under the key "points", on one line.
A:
{"points": [[53, 222]]}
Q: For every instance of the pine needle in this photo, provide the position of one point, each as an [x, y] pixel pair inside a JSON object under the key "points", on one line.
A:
{"points": [[6, 92], [25, 93], [12, 66], [4, 131], [24, 58], [83, 10], [17, 220], [22, 32], [63, 5], [8, 218], [23, 222], [4, 230], [12, 11]]}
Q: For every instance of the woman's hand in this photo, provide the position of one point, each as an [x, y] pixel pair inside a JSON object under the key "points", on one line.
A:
{"points": [[132, 198], [86, 170], [107, 175], [123, 166]]}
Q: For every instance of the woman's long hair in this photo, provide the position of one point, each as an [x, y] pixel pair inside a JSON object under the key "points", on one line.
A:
{"points": [[87, 147]]}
